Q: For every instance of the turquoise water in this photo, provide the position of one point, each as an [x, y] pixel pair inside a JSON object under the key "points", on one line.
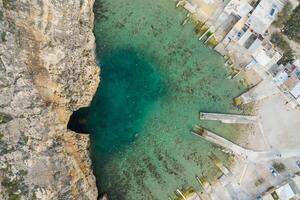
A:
{"points": [[155, 78]]}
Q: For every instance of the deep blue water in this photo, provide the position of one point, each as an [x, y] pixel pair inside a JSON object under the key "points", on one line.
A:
{"points": [[129, 87]]}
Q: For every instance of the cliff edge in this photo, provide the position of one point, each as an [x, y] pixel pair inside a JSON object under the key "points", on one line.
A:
{"points": [[47, 71]]}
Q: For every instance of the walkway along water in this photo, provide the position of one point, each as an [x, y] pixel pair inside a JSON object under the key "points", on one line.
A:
{"points": [[249, 154], [228, 118]]}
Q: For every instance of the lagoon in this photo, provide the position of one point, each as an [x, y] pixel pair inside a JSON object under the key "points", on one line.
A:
{"points": [[155, 78]]}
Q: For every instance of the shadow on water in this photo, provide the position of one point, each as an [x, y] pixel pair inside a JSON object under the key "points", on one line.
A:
{"points": [[129, 88]]}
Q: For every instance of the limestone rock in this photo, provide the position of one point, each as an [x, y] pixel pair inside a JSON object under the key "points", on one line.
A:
{"points": [[47, 71]]}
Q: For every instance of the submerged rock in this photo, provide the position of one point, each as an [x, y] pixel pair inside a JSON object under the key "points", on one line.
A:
{"points": [[47, 71]]}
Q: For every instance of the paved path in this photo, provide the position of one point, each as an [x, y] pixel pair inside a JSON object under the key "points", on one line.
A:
{"points": [[229, 118], [249, 154]]}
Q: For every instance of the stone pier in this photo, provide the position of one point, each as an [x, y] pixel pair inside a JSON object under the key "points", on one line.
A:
{"points": [[228, 118]]}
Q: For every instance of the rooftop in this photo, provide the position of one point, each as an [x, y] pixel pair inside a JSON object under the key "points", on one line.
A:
{"points": [[296, 90], [241, 8], [264, 14], [285, 192]]}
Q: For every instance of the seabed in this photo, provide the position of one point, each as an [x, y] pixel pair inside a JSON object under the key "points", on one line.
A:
{"points": [[156, 77]]}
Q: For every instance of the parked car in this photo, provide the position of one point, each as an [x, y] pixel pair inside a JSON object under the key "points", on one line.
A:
{"points": [[274, 172], [298, 164]]}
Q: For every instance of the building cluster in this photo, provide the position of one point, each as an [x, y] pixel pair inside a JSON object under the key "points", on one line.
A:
{"points": [[241, 29], [249, 35], [289, 190], [287, 78], [247, 40]]}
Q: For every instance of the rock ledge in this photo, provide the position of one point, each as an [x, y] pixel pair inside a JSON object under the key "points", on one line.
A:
{"points": [[47, 71]]}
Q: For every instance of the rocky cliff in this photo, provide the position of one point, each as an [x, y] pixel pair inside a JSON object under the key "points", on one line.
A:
{"points": [[47, 71]]}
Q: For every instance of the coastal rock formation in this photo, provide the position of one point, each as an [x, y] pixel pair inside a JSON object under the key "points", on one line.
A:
{"points": [[47, 71]]}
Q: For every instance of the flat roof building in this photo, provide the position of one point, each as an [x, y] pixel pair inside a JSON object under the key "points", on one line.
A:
{"points": [[264, 14], [296, 63], [237, 7], [287, 191], [281, 77], [296, 91], [266, 55]]}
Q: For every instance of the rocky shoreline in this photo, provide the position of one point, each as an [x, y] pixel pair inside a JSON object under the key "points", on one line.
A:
{"points": [[47, 71]]}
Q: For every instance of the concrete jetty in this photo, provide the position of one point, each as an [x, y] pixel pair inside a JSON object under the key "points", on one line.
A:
{"points": [[219, 164], [188, 194], [220, 141], [228, 118], [185, 21], [209, 38], [200, 38], [248, 154], [180, 3], [204, 184], [181, 194]]}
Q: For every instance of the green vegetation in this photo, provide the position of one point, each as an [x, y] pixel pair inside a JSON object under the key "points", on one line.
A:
{"points": [[4, 118], [278, 40], [3, 37], [284, 15], [14, 197], [23, 139], [33, 197], [280, 167], [23, 172], [1, 15], [292, 25], [9, 4], [13, 188], [81, 3]]}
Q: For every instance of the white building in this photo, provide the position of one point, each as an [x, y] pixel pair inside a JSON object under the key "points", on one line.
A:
{"points": [[237, 7], [281, 77], [250, 36], [266, 56], [296, 91], [287, 191], [264, 14], [296, 63]]}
